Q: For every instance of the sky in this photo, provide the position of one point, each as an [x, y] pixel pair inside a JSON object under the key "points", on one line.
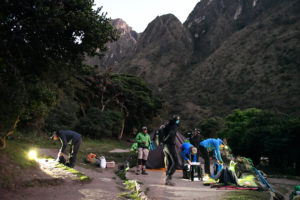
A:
{"points": [[139, 13]]}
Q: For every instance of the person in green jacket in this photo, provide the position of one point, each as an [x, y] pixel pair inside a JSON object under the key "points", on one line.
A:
{"points": [[143, 140]]}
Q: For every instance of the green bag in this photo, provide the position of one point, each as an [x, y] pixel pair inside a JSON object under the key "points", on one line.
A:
{"points": [[297, 188]]}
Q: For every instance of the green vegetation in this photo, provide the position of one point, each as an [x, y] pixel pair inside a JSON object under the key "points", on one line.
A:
{"points": [[245, 195], [133, 193], [45, 83], [256, 133], [79, 176], [18, 153], [43, 46]]}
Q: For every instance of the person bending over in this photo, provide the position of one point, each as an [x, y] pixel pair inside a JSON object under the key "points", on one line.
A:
{"points": [[66, 136], [187, 151]]}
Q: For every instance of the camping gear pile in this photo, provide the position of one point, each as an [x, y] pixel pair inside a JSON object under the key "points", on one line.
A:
{"points": [[99, 161], [240, 174]]}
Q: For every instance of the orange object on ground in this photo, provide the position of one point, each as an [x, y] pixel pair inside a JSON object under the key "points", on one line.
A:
{"points": [[91, 157]]}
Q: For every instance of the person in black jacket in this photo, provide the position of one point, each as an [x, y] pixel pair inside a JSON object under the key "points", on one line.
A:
{"points": [[169, 148], [65, 136], [195, 140]]}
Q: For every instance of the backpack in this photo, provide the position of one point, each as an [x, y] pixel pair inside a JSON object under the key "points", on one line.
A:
{"points": [[227, 177], [159, 136]]}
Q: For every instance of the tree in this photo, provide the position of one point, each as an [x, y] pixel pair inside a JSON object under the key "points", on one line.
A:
{"points": [[211, 126], [127, 94], [257, 133], [42, 44]]}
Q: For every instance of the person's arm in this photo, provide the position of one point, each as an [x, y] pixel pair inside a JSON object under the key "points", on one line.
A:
{"points": [[139, 139], [217, 154], [183, 154], [64, 143]]}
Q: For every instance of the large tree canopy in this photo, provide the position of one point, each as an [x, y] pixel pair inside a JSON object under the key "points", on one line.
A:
{"points": [[43, 43]]}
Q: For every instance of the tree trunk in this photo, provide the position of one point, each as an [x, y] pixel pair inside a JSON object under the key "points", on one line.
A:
{"points": [[122, 130], [3, 139]]}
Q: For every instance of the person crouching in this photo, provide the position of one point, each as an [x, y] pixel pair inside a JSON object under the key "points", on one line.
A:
{"points": [[187, 151]]}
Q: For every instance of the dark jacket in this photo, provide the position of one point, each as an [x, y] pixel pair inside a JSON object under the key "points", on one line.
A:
{"points": [[195, 140], [66, 136], [170, 132]]}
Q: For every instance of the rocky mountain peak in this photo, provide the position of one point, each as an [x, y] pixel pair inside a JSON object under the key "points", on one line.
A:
{"points": [[124, 28], [117, 50], [165, 30], [212, 21]]}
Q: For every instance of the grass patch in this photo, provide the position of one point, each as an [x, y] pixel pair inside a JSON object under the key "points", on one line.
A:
{"points": [[79, 176], [247, 195], [283, 188], [18, 152], [98, 147], [132, 193]]}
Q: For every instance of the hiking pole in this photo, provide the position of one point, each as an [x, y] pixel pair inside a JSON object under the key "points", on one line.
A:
{"points": [[264, 181]]}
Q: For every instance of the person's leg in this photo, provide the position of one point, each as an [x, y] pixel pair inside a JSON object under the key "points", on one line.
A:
{"points": [[174, 159], [168, 165], [205, 156], [165, 151], [73, 152], [140, 160], [173, 162], [184, 169], [145, 157]]}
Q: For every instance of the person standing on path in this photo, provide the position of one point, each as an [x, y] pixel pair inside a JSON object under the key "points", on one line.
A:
{"points": [[143, 140], [66, 136], [195, 140], [169, 148]]}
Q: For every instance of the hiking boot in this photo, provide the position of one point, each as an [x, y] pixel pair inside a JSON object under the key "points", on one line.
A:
{"points": [[137, 172], [168, 182], [70, 165], [144, 172]]}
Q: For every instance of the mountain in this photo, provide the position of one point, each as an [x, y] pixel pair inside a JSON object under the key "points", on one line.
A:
{"points": [[228, 54], [116, 50], [163, 49]]}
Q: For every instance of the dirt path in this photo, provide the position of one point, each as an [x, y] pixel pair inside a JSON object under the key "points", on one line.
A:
{"points": [[153, 185], [104, 185]]}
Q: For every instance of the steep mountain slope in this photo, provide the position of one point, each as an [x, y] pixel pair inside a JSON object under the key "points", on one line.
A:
{"points": [[116, 50], [162, 50], [228, 54], [257, 66], [213, 21]]}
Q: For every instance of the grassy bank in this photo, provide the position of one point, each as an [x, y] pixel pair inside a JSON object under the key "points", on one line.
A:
{"points": [[19, 145], [247, 194]]}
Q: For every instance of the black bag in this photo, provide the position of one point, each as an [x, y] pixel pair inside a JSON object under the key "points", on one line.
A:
{"points": [[227, 177], [62, 160], [186, 172]]}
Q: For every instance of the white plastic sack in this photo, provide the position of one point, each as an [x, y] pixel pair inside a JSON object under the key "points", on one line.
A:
{"points": [[103, 162]]}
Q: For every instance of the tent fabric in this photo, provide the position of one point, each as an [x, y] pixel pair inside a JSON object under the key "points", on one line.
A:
{"points": [[156, 157]]}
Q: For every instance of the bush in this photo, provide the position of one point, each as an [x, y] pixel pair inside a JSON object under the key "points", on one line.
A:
{"points": [[98, 124], [256, 133]]}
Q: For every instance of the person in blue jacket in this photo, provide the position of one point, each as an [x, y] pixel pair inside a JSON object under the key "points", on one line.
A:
{"points": [[214, 145], [187, 152], [66, 136]]}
